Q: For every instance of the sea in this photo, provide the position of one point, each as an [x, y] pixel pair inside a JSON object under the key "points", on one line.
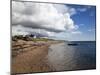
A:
{"points": [[64, 57]]}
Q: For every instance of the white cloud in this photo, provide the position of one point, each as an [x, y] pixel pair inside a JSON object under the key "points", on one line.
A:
{"points": [[18, 30], [48, 18], [81, 24], [21, 30], [91, 30], [72, 11], [76, 32], [82, 9], [64, 8]]}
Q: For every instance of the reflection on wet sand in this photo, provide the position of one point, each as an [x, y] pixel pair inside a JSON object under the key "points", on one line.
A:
{"points": [[61, 57], [64, 57]]}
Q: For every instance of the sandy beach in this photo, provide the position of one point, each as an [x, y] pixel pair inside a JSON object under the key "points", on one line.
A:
{"points": [[29, 56], [46, 55]]}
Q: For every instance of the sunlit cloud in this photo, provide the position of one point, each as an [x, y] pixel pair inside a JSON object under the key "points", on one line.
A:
{"points": [[48, 18]]}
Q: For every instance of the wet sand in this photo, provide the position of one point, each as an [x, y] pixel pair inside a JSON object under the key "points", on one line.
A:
{"points": [[33, 59], [68, 58]]}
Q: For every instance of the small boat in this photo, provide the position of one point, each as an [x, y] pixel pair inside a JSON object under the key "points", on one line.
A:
{"points": [[72, 44]]}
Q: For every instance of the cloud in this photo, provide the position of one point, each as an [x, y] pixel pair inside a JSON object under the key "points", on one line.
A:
{"points": [[82, 24], [20, 30], [30, 17], [72, 11], [64, 8], [82, 9], [92, 30], [76, 32]]}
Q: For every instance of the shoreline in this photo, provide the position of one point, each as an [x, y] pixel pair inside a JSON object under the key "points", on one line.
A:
{"points": [[32, 59], [49, 56]]}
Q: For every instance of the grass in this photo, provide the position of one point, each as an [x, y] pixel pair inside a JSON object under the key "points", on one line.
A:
{"points": [[40, 39]]}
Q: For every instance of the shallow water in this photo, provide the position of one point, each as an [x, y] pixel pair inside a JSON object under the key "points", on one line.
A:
{"points": [[64, 57]]}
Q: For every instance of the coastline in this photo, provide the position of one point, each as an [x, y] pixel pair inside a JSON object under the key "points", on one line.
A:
{"points": [[32, 58], [50, 56]]}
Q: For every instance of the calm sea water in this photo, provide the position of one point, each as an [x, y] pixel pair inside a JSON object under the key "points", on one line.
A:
{"points": [[81, 57]]}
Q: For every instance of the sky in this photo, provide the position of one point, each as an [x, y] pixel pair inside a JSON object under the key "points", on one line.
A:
{"points": [[56, 21]]}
